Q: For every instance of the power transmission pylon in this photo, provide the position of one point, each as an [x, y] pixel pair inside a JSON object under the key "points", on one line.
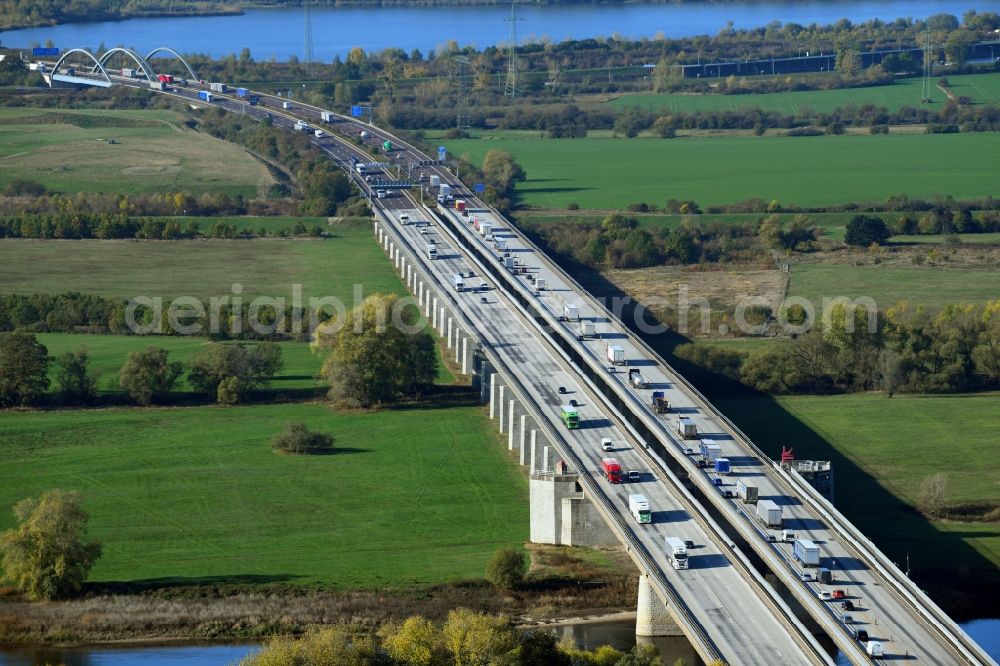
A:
{"points": [[462, 115], [925, 95], [510, 87], [308, 54]]}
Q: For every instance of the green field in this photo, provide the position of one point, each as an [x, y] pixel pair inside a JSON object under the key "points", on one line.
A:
{"points": [[809, 171], [200, 268], [153, 153], [981, 88], [196, 495], [918, 285], [882, 449], [108, 353]]}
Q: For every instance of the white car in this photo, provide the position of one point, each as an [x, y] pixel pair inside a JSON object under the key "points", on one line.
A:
{"points": [[806, 577], [826, 595], [607, 444]]}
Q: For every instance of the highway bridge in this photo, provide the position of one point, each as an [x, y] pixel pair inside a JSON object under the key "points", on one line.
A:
{"points": [[517, 339]]}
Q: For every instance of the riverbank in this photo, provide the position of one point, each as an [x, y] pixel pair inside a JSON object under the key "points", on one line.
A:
{"points": [[563, 583], [99, 17]]}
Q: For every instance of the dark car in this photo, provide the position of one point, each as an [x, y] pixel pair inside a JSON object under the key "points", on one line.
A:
{"points": [[572, 403], [862, 635], [847, 605], [562, 390], [688, 543]]}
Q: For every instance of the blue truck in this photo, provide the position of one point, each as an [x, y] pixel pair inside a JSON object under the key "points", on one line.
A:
{"points": [[205, 95]]}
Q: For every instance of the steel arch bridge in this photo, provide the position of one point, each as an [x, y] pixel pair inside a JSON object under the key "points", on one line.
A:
{"points": [[98, 65], [175, 54], [139, 60]]}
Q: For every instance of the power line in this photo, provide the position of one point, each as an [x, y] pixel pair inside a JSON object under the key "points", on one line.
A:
{"points": [[462, 114], [928, 58], [308, 54], [510, 87]]}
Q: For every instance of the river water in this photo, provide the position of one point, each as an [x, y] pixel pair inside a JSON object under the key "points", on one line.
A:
{"points": [[618, 633], [279, 33]]}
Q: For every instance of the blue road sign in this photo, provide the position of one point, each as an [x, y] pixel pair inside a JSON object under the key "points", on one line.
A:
{"points": [[442, 153], [478, 188], [356, 111], [44, 51]]}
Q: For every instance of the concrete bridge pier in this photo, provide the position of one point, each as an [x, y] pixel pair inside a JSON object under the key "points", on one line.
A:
{"points": [[652, 617], [560, 513]]}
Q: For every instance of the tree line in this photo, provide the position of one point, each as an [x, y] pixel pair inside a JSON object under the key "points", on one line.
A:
{"points": [[376, 353], [120, 225], [853, 349]]}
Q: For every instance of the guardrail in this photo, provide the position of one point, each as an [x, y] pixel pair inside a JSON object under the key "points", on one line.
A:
{"points": [[877, 560], [697, 634]]}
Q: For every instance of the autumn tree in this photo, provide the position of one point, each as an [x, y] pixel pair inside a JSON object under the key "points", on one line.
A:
{"points": [[415, 642], [506, 568], [148, 375], [502, 170], [45, 555], [933, 494], [76, 382], [24, 364], [231, 371], [477, 638], [377, 352]]}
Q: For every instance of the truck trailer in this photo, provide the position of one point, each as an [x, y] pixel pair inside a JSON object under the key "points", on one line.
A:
{"points": [[432, 252], [571, 312], [638, 505], [806, 552], [687, 428], [326, 116], [615, 355], [678, 552], [204, 95], [769, 513], [588, 329], [612, 470], [722, 466], [746, 493], [710, 451], [458, 281]]}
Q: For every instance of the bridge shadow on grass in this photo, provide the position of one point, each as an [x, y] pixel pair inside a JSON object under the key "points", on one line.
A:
{"points": [[956, 575], [187, 582]]}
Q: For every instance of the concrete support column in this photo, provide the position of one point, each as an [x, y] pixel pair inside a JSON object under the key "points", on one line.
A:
{"points": [[503, 403], [441, 322], [510, 425], [493, 393], [420, 294], [458, 347], [652, 617], [451, 342], [520, 440], [545, 459], [524, 459], [465, 356], [534, 451], [434, 314]]}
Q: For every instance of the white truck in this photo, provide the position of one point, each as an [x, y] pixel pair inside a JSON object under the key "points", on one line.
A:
{"points": [[326, 116], [286, 105], [459, 282], [635, 378], [432, 252], [769, 513], [501, 245], [616, 355], [587, 329], [319, 133], [486, 229], [540, 284], [746, 492], [678, 552], [445, 190], [301, 126], [638, 505], [806, 552], [435, 181], [128, 72], [875, 649], [571, 312]]}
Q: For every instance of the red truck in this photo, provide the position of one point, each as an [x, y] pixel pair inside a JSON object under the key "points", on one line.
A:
{"points": [[612, 470], [166, 78]]}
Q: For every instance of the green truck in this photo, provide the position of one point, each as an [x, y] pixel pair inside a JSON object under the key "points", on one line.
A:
{"points": [[570, 418]]}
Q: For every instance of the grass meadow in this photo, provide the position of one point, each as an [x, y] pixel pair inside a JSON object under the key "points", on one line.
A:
{"points": [[918, 285], [808, 171], [415, 496], [69, 151], [981, 88], [883, 448], [201, 268]]}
